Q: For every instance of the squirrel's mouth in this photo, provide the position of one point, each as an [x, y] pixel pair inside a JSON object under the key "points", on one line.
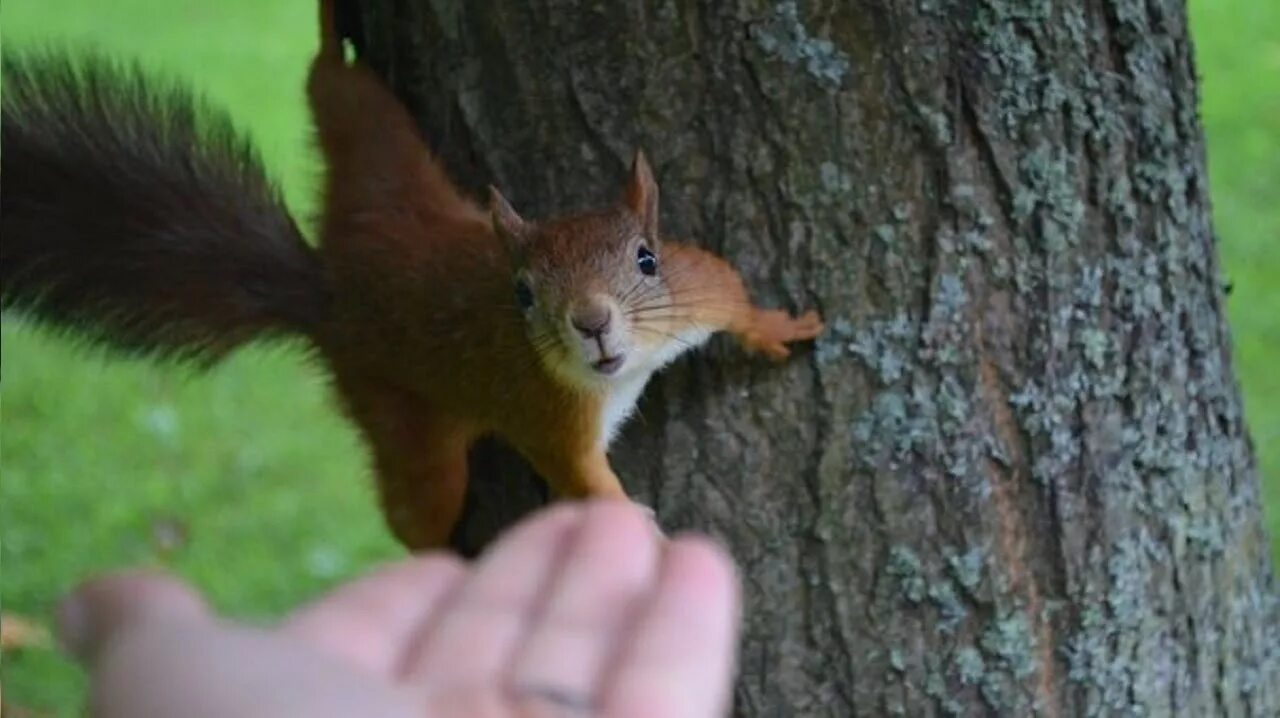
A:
{"points": [[609, 365]]}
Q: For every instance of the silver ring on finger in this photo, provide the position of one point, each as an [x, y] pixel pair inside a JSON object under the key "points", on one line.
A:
{"points": [[567, 701]]}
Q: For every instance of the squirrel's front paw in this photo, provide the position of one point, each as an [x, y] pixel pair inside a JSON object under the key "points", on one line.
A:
{"points": [[772, 329]]}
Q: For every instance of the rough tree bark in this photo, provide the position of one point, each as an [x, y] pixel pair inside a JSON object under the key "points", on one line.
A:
{"points": [[1014, 477]]}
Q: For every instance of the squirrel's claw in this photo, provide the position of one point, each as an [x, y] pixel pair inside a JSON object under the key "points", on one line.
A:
{"points": [[772, 329]]}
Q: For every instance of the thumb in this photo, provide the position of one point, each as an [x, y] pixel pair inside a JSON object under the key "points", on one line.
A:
{"points": [[101, 609]]}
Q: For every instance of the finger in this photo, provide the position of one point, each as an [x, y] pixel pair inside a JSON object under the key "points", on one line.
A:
{"points": [[678, 657], [222, 669], [477, 633], [374, 621], [99, 610], [611, 563]]}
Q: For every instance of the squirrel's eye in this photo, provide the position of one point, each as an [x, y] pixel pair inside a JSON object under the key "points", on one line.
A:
{"points": [[524, 295], [647, 262]]}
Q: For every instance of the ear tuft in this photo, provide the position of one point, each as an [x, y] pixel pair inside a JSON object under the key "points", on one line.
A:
{"points": [[509, 225], [642, 195]]}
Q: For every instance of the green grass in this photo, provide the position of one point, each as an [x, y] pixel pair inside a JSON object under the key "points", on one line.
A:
{"points": [[104, 462], [244, 480], [1238, 56]]}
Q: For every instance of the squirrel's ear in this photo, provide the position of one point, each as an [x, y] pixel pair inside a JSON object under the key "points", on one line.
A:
{"points": [[509, 225], [642, 195]]}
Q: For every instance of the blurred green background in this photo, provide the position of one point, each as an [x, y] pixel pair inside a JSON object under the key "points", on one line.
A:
{"points": [[108, 463]]}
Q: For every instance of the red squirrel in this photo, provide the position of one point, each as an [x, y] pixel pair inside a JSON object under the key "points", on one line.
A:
{"points": [[133, 215]]}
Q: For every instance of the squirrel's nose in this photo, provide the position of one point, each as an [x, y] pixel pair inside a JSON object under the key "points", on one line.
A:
{"points": [[592, 320]]}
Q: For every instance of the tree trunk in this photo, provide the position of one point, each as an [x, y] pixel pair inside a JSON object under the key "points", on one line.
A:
{"points": [[1013, 478]]}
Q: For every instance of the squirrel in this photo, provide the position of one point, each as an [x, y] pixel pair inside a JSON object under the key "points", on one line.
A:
{"points": [[137, 217]]}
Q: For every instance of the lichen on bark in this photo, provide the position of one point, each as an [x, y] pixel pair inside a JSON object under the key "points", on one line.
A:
{"points": [[1013, 477]]}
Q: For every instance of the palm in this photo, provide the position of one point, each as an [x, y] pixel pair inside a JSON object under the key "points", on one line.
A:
{"points": [[572, 614]]}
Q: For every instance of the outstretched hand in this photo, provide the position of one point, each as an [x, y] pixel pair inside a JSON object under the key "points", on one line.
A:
{"points": [[579, 611]]}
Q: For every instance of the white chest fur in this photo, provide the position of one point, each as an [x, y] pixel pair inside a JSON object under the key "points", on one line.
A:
{"points": [[626, 388]]}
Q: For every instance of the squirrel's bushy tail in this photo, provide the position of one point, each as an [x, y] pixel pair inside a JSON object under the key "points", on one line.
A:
{"points": [[134, 215]]}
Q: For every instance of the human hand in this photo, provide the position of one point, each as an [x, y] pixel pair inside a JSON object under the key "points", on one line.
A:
{"points": [[578, 611]]}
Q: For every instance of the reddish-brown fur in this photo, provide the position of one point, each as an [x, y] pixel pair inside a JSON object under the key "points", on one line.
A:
{"points": [[430, 348]]}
